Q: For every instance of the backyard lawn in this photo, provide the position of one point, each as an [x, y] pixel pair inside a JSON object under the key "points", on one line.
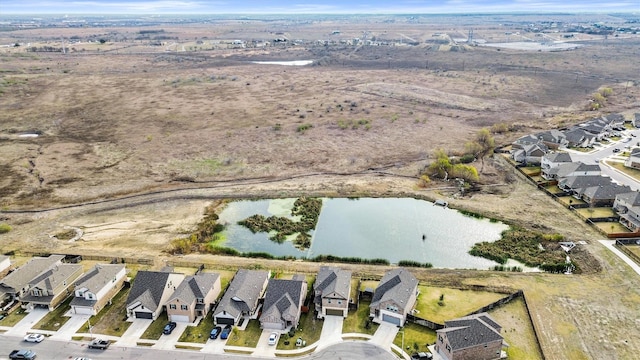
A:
{"points": [[416, 338], [455, 303], [111, 320], [554, 189], [248, 337], [517, 330], [356, 321], [601, 212], [611, 227], [633, 248], [531, 170], [570, 200], [198, 334], [154, 331], [55, 319], [309, 330]]}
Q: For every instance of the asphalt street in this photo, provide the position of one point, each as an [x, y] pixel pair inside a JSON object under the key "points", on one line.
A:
{"points": [[65, 350]]}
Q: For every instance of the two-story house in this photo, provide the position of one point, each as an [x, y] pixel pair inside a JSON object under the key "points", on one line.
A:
{"points": [[332, 291], [194, 297], [96, 288], [52, 287], [16, 284], [627, 206], [394, 297]]}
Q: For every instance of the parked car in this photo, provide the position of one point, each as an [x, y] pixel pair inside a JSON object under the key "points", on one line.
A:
{"points": [[225, 332], [616, 150], [169, 328], [34, 338], [273, 338], [99, 344], [22, 355], [421, 356], [215, 332]]}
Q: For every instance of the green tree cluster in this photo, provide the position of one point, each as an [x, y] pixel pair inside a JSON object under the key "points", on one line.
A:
{"points": [[443, 168]]}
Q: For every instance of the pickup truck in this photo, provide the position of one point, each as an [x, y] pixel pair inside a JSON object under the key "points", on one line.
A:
{"points": [[22, 355], [99, 344]]}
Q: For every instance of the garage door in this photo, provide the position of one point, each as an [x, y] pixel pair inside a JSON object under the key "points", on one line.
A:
{"points": [[391, 319], [224, 321], [179, 318], [143, 315], [336, 312]]}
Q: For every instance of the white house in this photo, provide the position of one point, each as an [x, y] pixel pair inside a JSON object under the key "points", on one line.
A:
{"points": [[97, 287]]}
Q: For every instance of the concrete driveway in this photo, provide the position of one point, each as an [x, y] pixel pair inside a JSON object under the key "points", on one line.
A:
{"points": [[263, 348], [331, 331], [29, 321], [214, 346], [168, 342], [71, 327], [133, 333], [384, 335]]}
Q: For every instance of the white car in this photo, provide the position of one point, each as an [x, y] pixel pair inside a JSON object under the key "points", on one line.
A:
{"points": [[273, 338], [36, 338]]}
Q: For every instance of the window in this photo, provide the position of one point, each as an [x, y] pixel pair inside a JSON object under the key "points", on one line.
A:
{"points": [[172, 306], [184, 307], [329, 301], [440, 338], [339, 302], [448, 348]]}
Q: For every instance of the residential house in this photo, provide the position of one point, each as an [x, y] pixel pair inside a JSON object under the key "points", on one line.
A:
{"points": [[627, 206], [635, 120], [96, 288], [634, 159], [473, 337], [571, 169], [283, 303], [150, 292], [553, 139], [194, 297], [530, 154], [394, 297], [50, 288], [579, 137], [241, 297], [525, 140], [16, 284], [573, 184], [602, 195], [332, 291]]}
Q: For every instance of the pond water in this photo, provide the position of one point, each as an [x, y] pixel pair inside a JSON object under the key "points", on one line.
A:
{"points": [[388, 228]]}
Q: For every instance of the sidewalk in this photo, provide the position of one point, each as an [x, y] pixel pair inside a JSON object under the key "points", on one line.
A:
{"points": [[609, 244]]}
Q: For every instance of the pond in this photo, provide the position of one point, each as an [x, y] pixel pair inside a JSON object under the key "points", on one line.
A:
{"points": [[388, 228]]}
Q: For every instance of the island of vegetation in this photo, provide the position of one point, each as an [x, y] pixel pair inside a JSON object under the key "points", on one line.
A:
{"points": [[307, 208]]}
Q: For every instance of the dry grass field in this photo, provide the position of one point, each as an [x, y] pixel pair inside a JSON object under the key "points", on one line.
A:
{"points": [[162, 130]]}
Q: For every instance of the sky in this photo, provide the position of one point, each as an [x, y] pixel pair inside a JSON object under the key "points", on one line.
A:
{"points": [[310, 7]]}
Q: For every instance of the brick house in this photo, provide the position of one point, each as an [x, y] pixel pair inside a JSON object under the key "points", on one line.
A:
{"points": [[194, 297], [473, 337]]}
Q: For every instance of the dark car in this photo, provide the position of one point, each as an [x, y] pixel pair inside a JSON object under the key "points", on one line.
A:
{"points": [[225, 332], [215, 332], [169, 328], [616, 150], [421, 356]]}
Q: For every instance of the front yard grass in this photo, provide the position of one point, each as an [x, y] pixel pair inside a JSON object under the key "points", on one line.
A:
{"points": [[517, 330], [55, 319], [14, 317], [111, 320], [601, 212], [154, 331], [309, 330], [416, 338], [247, 338], [356, 321], [456, 303], [634, 173], [200, 333]]}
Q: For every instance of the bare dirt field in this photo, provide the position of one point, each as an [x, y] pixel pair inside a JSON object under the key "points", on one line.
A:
{"points": [[202, 122]]}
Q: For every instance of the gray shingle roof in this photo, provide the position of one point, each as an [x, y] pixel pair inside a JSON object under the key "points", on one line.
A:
{"points": [[605, 192], [58, 274], [284, 295], [194, 287], [148, 288], [99, 276], [563, 170], [243, 292], [471, 331], [332, 280], [397, 285], [579, 182], [558, 157], [631, 198], [22, 276]]}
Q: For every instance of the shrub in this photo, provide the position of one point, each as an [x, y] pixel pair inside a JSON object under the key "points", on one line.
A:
{"points": [[4, 228], [304, 127]]}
